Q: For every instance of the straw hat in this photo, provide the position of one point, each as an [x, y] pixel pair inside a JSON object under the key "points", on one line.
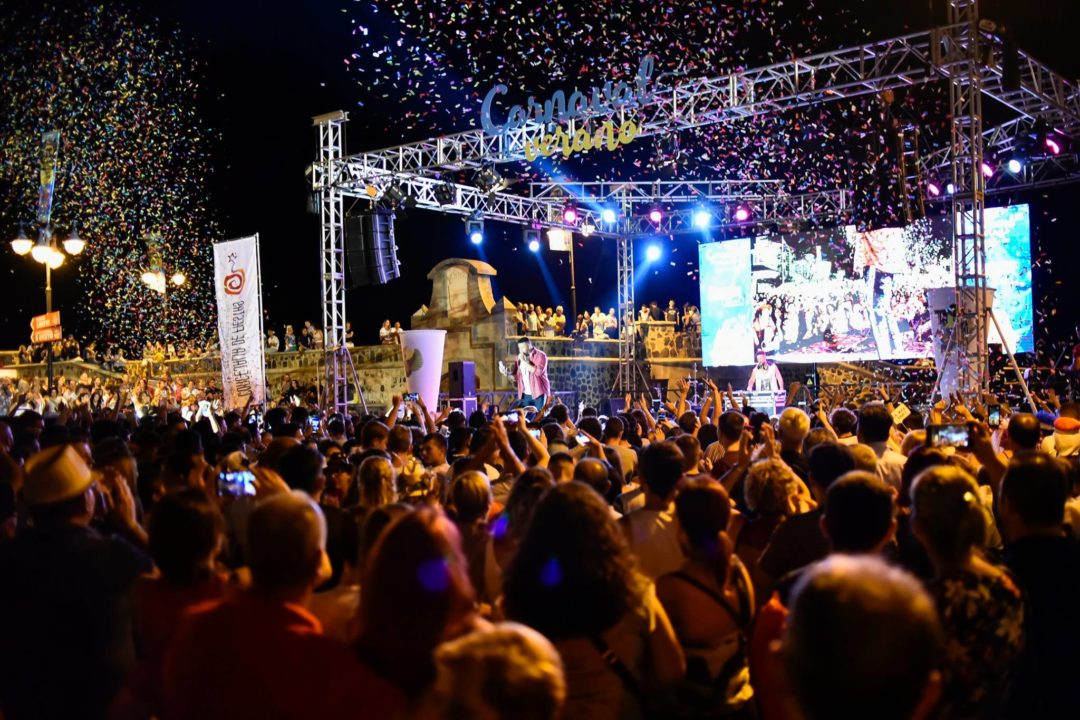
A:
{"points": [[55, 474]]}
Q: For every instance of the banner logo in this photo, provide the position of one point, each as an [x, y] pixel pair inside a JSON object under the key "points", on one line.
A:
{"points": [[234, 282]]}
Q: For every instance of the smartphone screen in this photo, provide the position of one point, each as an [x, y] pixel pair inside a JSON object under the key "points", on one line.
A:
{"points": [[314, 422], [236, 484], [535, 432], [581, 439], [941, 436], [511, 417], [993, 416], [411, 397]]}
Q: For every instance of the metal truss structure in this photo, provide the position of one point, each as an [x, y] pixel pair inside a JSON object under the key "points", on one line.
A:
{"points": [[963, 54]]}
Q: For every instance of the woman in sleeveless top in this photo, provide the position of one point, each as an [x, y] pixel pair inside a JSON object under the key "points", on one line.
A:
{"points": [[710, 601]]}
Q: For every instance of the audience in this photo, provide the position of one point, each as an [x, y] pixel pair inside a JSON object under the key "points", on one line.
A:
{"points": [[662, 568]]}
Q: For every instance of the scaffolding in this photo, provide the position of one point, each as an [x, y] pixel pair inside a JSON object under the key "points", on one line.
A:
{"points": [[964, 53]]}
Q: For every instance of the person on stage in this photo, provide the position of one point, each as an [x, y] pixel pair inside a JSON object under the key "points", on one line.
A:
{"points": [[765, 377], [529, 371]]}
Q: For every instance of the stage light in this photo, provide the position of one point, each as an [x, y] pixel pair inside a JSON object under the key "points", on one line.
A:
{"points": [[987, 170], [474, 228], [534, 246], [950, 189], [933, 189], [1052, 145], [608, 216], [742, 213], [652, 253], [702, 219], [587, 228], [1015, 165], [178, 279], [444, 194], [393, 195], [570, 214], [656, 215], [22, 244], [490, 181]]}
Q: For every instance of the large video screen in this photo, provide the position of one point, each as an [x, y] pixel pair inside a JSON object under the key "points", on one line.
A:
{"points": [[842, 294]]}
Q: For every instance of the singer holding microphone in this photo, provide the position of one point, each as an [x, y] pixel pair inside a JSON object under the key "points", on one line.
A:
{"points": [[529, 371]]}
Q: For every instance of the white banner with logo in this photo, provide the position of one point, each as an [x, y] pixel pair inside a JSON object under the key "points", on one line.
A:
{"points": [[239, 300]]}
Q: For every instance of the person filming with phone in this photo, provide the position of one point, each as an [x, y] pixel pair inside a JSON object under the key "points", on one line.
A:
{"points": [[529, 371]]}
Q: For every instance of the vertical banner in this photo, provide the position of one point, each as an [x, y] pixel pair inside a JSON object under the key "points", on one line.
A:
{"points": [[727, 303], [239, 301], [50, 147]]}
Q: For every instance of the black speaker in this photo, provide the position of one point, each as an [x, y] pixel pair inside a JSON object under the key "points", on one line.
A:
{"points": [[370, 246], [462, 379]]}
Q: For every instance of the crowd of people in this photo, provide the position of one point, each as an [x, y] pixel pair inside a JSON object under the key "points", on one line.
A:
{"points": [[537, 321], [677, 564]]}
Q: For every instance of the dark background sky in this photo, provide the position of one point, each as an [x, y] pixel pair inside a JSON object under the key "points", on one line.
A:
{"points": [[272, 64]]}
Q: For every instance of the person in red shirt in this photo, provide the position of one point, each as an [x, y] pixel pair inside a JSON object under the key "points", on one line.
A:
{"points": [[186, 532], [261, 654]]}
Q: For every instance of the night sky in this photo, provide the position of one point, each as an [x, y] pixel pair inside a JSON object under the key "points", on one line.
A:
{"points": [[267, 66]]}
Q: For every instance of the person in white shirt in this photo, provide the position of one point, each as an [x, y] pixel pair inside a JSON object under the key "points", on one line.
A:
{"points": [[652, 531], [765, 377], [273, 343], [875, 423]]}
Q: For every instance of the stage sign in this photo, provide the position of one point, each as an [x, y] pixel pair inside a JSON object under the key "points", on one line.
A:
{"points": [[596, 104], [43, 322], [239, 299], [46, 335]]}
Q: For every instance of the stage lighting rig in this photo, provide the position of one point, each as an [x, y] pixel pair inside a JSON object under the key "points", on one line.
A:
{"points": [[445, 194]]}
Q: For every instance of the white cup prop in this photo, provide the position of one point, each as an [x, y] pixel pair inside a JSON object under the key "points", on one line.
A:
{"points": [[422, 351]]}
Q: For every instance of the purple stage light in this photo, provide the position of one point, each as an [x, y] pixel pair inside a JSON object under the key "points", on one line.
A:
{"points": [[1053, 145], [569, 214], [932, 189], [742, 213], [655, 215], [987, 170]]}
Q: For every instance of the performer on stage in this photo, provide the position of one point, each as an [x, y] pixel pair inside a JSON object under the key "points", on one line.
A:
{"points": [[765, 377], [529, 371]]}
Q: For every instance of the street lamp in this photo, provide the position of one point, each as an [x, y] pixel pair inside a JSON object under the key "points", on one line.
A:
{"points": [[46, 252], [155, 279]]}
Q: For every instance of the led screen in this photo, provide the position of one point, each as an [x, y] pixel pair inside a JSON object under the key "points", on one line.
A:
{"points": [[841, 294]]}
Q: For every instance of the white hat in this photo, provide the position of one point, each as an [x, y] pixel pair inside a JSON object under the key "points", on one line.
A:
{"points": [[55, 474]]}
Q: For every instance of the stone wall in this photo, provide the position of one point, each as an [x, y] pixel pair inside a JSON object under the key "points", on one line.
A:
{"points": [[590, 378]]}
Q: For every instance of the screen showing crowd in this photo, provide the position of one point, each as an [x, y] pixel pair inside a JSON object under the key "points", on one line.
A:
{"points": [[841, 294]]}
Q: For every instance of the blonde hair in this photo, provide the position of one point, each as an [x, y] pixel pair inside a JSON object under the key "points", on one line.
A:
{"points": [[946, 510], [769, 485], [375, 478], [794, 424], [512, 669]]}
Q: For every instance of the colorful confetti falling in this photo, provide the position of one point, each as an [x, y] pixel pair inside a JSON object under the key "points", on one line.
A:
{"points": [[134, 162]]}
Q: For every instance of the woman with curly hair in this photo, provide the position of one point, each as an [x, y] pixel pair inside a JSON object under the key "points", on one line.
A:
{"points": [[574, 579], [773, 492]]}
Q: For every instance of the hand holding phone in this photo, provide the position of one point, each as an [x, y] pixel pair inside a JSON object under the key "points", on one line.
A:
{"points": [[240, 483], [955, 435]]}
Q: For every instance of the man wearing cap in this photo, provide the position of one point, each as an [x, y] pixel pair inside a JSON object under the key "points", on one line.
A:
{"points": [[64, 614]]}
